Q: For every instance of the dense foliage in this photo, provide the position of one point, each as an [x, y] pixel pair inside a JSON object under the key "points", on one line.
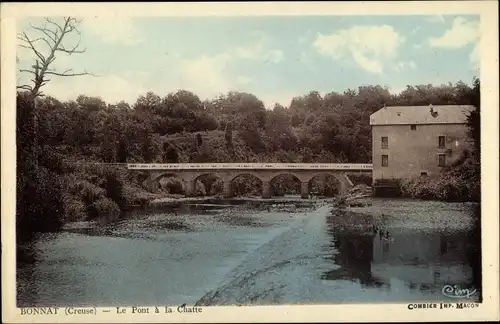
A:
{"points": [[461, 182], [180, 127], [234, 127]]}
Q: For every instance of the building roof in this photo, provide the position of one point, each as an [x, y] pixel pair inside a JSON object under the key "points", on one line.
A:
{"points": [[407, 115]]}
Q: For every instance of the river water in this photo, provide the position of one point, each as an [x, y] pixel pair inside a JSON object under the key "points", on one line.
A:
{"points": [[235, 252]]}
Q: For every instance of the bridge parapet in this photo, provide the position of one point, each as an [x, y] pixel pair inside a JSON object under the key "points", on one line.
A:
{"points": [[252, 166]]}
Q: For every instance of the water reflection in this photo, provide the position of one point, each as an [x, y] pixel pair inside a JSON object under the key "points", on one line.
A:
{"points": [[26, 275], [420, 260], [355, 249]]}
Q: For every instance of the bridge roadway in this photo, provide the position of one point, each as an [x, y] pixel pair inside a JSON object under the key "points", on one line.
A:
{"points": [[190, 173], [252, 166]]}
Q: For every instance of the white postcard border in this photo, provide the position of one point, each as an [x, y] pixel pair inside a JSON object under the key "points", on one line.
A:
{"points": [[488, 11]]}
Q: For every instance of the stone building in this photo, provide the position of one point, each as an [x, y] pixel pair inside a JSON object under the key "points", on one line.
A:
{"points": [[414, 141]]}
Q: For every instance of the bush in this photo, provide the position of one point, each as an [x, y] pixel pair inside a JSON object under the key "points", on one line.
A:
{"points": [[91, 185], [172, 185], [458, 184], [41, 205], [246, 185], [340, 201], [106, 210], [357, 179], [326, 186], [86, 191], [134, 195], [285, 184], [114, 187], [82, 193], [217, 188], [200, 189], [75, 209]]}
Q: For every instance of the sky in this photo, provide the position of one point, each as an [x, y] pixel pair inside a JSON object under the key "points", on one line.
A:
{"points": [[275, 58]]}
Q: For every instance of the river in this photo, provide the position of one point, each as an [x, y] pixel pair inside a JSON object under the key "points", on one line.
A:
{"points": [[236, 252]]}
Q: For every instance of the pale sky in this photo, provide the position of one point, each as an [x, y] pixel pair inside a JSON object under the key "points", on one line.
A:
{"points": [[275, 58]]}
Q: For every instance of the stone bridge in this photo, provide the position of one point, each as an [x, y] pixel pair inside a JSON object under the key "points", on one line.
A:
{"points": [[189, 173]]}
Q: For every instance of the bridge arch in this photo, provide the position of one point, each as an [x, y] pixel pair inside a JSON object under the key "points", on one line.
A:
{"points": [[207, 183], [252, 185], [170, 181], [285, 182], [223, 177], [324, 184], [342, 180]]}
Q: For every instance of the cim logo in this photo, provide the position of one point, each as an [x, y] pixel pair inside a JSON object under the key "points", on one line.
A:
{"points": [[456, 292]]}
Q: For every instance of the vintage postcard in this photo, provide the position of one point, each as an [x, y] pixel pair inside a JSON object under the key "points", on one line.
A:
{"points": [[250, 162]]}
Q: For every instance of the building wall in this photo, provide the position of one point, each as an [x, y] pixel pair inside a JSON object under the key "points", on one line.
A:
{"points": [[412, 152]]}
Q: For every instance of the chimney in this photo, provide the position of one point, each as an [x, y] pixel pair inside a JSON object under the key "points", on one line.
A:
{"points": [[433, 113]]}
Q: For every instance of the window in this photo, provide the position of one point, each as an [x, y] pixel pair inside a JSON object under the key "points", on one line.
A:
{"points": [[413, 127], [385, 142], [442, 160], [385, 160], [423, 174], [441, 142]]}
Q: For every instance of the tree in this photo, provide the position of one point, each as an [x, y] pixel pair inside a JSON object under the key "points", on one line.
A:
{"points": [[278, 129], [51, 36], [149, 103], [90, 104], [49, 42], [244, 110], [114, 187], [474, 118], [148, 146], [111, 135], [199, 140], [188, 99], [122, 151], [228, 135], [170, 154], [40, 203]]}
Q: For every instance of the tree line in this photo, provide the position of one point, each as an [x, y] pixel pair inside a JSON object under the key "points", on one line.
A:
{"points": [[180, 127]]}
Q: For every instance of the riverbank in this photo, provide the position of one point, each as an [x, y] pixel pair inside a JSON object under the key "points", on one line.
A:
{"points": [[241, 198], [359, 191], [170, 206]]}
